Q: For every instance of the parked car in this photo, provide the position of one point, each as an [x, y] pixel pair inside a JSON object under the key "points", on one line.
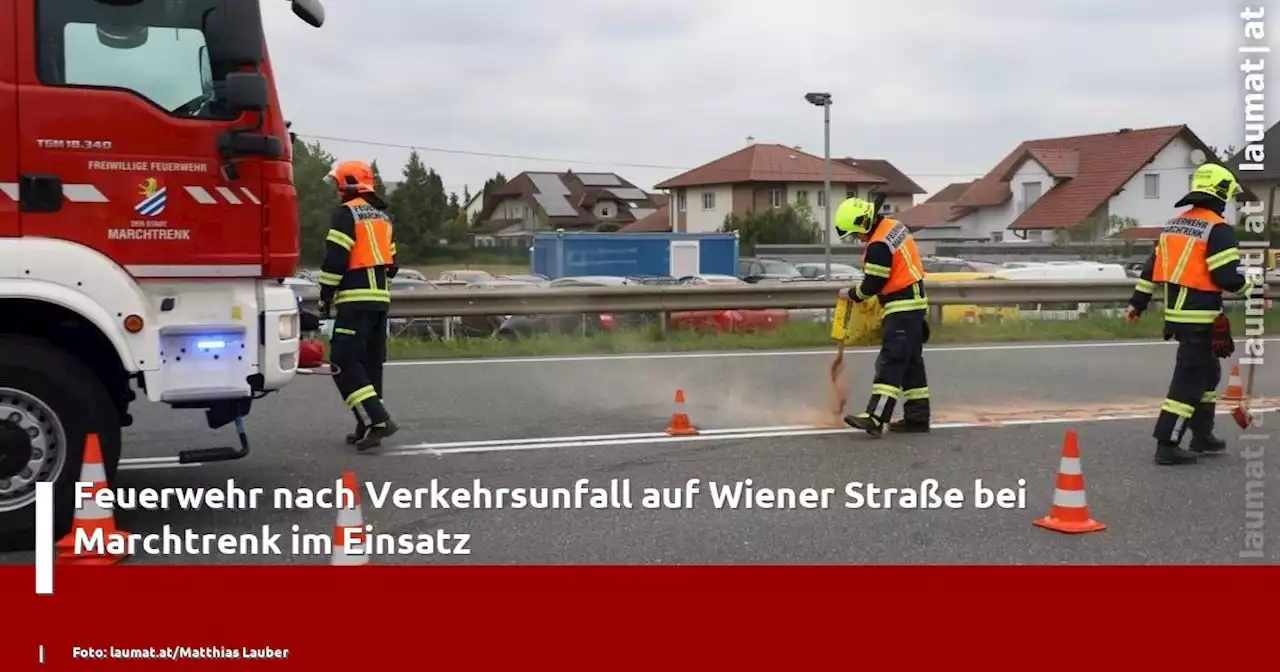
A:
{"points": [[466, 275], [410, 274], [725, 320], [521, 326], [755, 269], [532, 278], [956, 265], [483, 326], [430, 328], [818, 271]]}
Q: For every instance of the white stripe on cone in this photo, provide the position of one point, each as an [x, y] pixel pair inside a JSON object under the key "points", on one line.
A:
{"points": [[91, 511], [1070, 499], [1070, 466]]}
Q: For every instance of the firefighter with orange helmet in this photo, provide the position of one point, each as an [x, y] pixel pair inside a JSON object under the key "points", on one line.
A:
{"points": [[1196, 259], [359, 262]]}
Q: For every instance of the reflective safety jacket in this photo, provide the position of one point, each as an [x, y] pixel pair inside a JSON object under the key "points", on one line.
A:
{"points": [[892, 270], [1196, 259], [360, 256]]}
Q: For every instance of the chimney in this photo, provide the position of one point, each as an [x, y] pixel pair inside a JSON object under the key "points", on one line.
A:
{"points": [[750, 140]]}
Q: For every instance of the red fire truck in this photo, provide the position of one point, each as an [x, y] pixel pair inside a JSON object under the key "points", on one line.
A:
{"points": [[147, 219]]}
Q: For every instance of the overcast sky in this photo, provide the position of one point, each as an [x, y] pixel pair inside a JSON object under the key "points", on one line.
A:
{"points": [[942, 88]]}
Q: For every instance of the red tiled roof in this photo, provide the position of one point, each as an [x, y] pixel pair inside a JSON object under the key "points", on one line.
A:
{"points": [[1093, 168], [934, 212], [1138, 233], [896, 182], [659, 220], [768, 163]]}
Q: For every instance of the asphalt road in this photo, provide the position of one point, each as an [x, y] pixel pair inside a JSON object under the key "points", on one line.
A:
{"points": [[1002, 413]]}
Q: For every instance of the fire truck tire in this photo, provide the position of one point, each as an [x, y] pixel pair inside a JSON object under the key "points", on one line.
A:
{"points": [[49, 402]]}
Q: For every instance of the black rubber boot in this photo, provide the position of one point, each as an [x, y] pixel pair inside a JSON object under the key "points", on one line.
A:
{"points": [[909, 427], [1207, 444], [866, 423], [376, 434], [1171, 453], [361, 429]]}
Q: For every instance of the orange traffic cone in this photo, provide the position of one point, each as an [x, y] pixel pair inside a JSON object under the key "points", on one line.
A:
{"points": [[350, 525], [1070, 512], [679, 419], [1235, 390], [92, 517]]}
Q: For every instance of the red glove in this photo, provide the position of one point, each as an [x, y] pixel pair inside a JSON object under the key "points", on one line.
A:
{"points": [[1222, 342]]}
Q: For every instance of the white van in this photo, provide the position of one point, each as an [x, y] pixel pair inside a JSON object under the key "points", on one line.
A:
{"points": [[1072, 270]]}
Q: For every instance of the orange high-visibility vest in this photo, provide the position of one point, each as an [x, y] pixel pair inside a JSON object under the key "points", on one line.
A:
{"points": [[907, 269], [373, 236], [1181, 257]]}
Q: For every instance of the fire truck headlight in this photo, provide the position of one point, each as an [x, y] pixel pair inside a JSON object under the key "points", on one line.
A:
{"points": [[288, 327]]}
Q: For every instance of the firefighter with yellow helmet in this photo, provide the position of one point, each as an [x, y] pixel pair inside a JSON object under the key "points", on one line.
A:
{"points": [[892, 271], [1196, 259], [359, 262]]}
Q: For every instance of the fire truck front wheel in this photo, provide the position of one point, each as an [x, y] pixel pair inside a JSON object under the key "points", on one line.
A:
{"points": [[49, 403]]}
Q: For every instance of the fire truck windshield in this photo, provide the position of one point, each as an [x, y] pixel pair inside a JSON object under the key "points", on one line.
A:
{"points": [[163, 51]]}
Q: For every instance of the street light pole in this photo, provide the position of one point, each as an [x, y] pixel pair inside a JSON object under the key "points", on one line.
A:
{"points": [[823, 100], [826, 181]]}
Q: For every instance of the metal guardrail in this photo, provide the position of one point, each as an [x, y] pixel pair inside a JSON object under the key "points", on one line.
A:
{"points": [[629, 299]]}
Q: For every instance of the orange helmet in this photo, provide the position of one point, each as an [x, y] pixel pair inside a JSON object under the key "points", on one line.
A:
{"points": [[351, 177]]}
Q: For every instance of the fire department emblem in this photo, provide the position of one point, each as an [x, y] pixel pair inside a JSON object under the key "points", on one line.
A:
{"points": [[154, 198]]}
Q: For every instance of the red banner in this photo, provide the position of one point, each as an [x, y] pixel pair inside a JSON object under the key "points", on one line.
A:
{"points": [[410, 618]]}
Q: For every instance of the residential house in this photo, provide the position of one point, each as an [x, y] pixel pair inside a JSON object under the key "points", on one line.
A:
{"points": [[474, 205], [571, 201], [761, 176], [1102, 182], [900, 191], [931, 220], [1259, 176]]}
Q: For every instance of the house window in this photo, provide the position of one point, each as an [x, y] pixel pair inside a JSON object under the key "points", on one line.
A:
{"points": [[1030, 193], [822, 198], [997, 236], [1151, 185], [851, 192], [776, 198], [802, 197], [708, 200], [1035, 236], [604, 212], [680, 201]]}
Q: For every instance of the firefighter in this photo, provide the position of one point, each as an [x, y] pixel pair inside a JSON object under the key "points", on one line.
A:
{"points": [[1195, 259], [360, 260], [892, 272]]}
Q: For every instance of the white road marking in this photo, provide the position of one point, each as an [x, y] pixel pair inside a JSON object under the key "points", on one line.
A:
{"points": [[1003, 347], [649, 438]]}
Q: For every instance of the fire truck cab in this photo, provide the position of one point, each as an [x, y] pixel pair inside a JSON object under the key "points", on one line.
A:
{"points": [[147, 219]]}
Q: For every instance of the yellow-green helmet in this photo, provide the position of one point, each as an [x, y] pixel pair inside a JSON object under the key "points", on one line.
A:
{"points": [[1216, 181], [854, 217]]}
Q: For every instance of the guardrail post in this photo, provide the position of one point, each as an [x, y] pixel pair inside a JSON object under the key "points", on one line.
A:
{"points": [[935, 313]]}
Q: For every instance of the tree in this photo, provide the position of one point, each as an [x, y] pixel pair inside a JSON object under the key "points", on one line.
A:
{"points": [[779, 226], [316, 199], [379, 187], [410, 206], [1223, 155]]}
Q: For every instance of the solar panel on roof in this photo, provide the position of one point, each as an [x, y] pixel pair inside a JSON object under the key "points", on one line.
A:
{"points": [[629, 194], [548, 183], [599, 179], [555, 205], [641, 213]]}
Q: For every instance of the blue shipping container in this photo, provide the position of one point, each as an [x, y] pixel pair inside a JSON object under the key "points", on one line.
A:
{"points": [[572, 253]]}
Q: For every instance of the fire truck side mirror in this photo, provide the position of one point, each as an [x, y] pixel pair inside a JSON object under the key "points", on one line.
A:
{"points": [[247, 92], [310, 11]]}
